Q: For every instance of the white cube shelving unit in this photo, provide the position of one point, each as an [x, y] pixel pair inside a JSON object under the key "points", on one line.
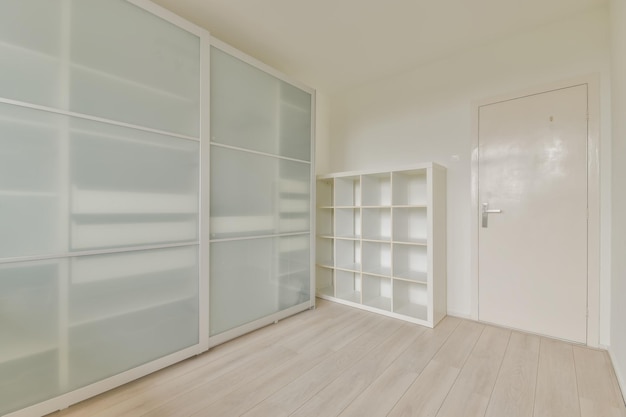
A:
{"points": [[381, 241]]}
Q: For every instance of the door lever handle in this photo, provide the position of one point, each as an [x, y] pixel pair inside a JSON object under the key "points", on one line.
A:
{"points": [[486, 212]]}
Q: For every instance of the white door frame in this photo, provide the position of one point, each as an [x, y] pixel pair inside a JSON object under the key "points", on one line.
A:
{"points": [[593, 195]]}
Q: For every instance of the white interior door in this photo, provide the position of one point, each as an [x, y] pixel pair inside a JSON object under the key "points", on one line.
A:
{"points": [[532, 256]]}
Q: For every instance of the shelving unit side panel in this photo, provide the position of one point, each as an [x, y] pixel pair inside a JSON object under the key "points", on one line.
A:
{"points": [[439, 243], [324, 192], [324, 281]]}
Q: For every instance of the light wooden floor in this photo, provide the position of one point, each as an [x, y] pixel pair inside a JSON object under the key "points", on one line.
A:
{"points": [[340, 361]]}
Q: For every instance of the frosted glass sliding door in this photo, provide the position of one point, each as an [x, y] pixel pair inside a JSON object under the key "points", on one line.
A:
{"points": [[260, 215], [253, 278], [256, 195], [254, 110], [129, 308], [30, 351], [130, 187], [99, 194]]}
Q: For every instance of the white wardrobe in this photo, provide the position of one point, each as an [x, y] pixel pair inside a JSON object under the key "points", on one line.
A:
{"points": [[114, 178]]}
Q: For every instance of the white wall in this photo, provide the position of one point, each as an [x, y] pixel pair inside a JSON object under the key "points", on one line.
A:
{"points": [[618, 73], [322, 132], [425, 115]]}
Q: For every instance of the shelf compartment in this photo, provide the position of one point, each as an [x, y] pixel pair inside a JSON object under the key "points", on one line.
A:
{"points": [[324, 221], [31, 196], [294, 186], [324, 282], [347, 191], [112, 285], [410, 188], [348, 286], [410, 299], [245, 279], [294, 288], [295, 122], [89, 269], [30, 143], [377, 292], [325, 193], [29, 300], [116, 159], [294, 270], [30, 225], [294, 199], [29, 380], [29, 333], [104, 348], [348, 222], [113, 234], [31, 70], [126, 202], [376, 224], [410, 225], [254, 110], [325, 251], [348, 254], [246, 196], [410, 262], [376, 189], [377, 258], [131, 75]]}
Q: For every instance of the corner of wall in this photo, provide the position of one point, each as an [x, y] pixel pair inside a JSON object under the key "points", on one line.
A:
{"points": [[618, 185]]}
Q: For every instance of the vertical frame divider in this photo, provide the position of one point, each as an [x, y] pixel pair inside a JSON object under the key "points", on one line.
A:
{"points": [[205, 190], [65, 195]]}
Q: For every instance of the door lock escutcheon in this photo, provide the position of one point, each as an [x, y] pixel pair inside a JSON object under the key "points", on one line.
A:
{"points": [[486, 212]]}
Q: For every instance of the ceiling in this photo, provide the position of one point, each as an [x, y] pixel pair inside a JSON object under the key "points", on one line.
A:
{"points": [[333, 45]]}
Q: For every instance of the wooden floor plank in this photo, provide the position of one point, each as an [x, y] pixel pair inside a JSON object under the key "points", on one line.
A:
{"points": [[425, 396], [598, 395], [556, 391], [339, 394], [291, 397], [380, 397], [514, 392], [470, 394]]}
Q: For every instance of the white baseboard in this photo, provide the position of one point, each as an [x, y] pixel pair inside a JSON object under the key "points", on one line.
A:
{"points": [[620, 378], [460, 315]]}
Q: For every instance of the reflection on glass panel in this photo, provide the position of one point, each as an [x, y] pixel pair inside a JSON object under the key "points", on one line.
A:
{"points": [[254, 110], [243, 193], [131, 187], [128, 309], [251, 279], [254, 195], [294, 197], [294, 270], [29, 333], [132, 66], [30, 49], [295, 122], [29, 181], [244, 104]]}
